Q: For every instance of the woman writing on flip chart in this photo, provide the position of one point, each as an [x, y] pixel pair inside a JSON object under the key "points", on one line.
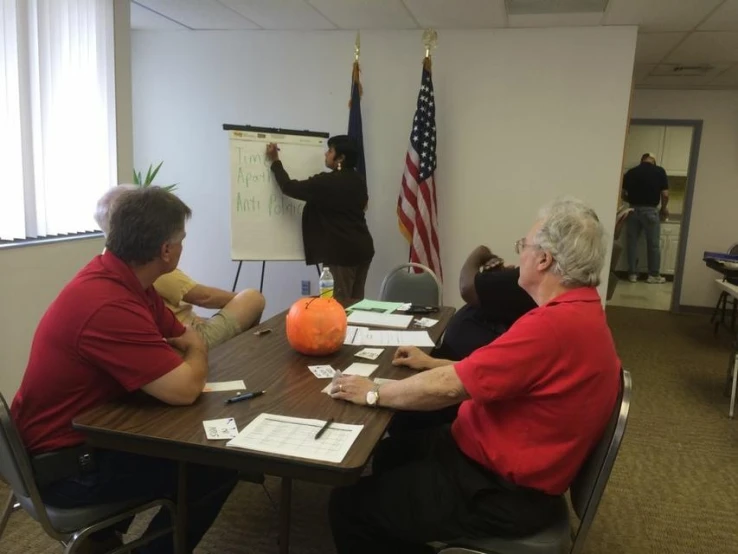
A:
{"points": [[334, 229]]}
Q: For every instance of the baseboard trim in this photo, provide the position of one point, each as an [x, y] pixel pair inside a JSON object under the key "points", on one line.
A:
{"points": [[696, 310]]}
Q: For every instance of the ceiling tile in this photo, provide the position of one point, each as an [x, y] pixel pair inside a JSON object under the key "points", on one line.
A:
{"points": [[725, 18], [706, 47], [461, 14], [641, 72], [727, 78], [652, 47], [199, 14], [280, 14], [143, 19], [366, 14], [659, 15], [555, 20], [530, 7], [663, 75]]}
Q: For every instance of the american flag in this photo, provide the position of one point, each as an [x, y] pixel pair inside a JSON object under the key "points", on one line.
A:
{"points": [[417, 207]]}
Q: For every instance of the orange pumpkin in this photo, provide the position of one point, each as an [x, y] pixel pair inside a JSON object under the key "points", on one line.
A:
{"points": [[316, 326]]}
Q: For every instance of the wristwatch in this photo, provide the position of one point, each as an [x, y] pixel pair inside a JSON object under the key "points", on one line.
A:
{"points": [[372, 397]]}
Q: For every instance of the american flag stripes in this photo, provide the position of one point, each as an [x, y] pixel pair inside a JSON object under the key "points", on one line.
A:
{"points": [[416, 206]]}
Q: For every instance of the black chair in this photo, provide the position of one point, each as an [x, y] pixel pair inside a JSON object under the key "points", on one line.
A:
{"points": [[402, 285], [585, 494], [725, 302], [71, 527]]}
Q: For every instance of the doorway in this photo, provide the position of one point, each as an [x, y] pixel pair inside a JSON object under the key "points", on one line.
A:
{"points": [[674, 144]]}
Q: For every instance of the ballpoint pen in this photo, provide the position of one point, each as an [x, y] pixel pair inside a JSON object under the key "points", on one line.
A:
{"points": [[322, 429], [244, 396]]}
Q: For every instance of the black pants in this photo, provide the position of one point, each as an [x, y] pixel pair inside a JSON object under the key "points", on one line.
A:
{"points": [[349, 281], [120, 476], [423, 489]]}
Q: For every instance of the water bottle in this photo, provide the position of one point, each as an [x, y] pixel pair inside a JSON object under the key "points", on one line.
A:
{"points": [[325, 283]]}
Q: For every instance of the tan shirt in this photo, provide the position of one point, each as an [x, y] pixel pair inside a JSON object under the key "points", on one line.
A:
{"points": [[172, 287]]}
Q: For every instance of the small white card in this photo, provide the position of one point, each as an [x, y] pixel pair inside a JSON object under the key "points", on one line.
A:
{"points": [[365, 370], [218, 429], [224, 386], [322, 371], [369, 353], [425, 322]]}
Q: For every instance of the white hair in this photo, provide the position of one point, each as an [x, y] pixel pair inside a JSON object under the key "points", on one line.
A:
{"points": [[105, 206], [572, 233]]}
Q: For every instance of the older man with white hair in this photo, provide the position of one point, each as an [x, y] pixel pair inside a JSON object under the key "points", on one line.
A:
{"points": [[236, 311], [535, 403]]}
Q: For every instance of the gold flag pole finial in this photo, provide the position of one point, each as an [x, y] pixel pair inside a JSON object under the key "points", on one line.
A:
{"points": [[357, 46], [430, 40]]}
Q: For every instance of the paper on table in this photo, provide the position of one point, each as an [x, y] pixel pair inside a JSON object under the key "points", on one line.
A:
{"points": [[375, 306], [398, 338], [355, 335], [426, 322], [322, 371], [217, 429], [369, 353], [294, 436], [224, 386], [394, 321], [357, 368]]}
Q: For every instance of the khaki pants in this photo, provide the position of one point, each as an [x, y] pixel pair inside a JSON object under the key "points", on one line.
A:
{"points": [[217, 329], [349, 281]]}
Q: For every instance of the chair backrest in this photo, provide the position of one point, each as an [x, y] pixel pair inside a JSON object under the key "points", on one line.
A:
{"points": [[403, 285], [589, 484], [15, 468], [733, 250]]}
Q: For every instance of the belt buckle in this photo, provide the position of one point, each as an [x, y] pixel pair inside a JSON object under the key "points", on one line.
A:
{"points": [[86, 463]]}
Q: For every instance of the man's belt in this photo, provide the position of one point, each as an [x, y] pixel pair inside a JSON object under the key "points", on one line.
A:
{"points": [[50, 467]]}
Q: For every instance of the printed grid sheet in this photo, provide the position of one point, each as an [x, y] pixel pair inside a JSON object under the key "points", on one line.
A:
{"points": [[294, 436]]}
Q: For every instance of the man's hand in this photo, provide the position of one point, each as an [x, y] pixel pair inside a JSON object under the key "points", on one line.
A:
{"points": [[272, 152], [189, 340], [664, 214], [352, 388], [412, 357]]}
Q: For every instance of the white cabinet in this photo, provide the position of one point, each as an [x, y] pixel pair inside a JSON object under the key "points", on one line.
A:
{"points": [[642, 139], [669, 144], [677, 144], [669, 243]]}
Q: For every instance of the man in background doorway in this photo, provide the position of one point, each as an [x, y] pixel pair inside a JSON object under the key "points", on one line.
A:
{"points": [[644, 188]]}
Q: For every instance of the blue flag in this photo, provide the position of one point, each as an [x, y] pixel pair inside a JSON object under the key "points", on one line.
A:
{"points": [[355, 130]]}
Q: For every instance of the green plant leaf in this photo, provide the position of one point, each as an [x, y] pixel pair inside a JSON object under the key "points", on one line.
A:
{"points": [[152, 175]]}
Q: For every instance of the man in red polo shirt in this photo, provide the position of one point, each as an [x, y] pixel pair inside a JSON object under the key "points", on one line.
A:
{"points": [[105, 336], [535, 402]]}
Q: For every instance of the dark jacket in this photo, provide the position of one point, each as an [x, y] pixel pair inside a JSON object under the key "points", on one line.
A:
{"points": [[334, 229]]}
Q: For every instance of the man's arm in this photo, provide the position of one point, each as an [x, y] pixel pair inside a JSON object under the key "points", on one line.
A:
{"points": [[430, 390], [184, 384], [208, 297], [664, 194], [479, 256]]}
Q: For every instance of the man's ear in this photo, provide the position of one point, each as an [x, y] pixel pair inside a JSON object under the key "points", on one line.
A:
{"points": [[545, 260], [165, 252]]}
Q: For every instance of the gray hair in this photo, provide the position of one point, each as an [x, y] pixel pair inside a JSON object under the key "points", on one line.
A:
{"points": [[105, 206], [572, 233]]}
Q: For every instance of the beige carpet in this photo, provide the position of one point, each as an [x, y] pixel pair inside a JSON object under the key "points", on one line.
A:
{"points": [[674, 488]]}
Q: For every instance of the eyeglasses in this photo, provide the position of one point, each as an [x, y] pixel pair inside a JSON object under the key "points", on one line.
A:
{"points": [[520, 245]]}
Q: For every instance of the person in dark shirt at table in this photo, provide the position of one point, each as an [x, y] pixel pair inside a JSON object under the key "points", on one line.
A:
{"points": [[494, 301], [644, 187], [334, 229]]}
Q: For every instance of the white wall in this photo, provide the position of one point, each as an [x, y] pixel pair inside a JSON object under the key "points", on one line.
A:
{"points": [[712, 224], [32, 275], [523, 116]]}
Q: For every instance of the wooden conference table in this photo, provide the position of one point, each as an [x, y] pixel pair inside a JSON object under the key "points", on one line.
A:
{"points": [[146, 426]]}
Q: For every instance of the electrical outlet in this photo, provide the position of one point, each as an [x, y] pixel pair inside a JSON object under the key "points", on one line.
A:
{"points": [[305, 288]]}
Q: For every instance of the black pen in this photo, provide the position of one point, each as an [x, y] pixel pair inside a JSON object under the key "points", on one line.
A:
{"points": [[244, 396], [322, 429]]}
